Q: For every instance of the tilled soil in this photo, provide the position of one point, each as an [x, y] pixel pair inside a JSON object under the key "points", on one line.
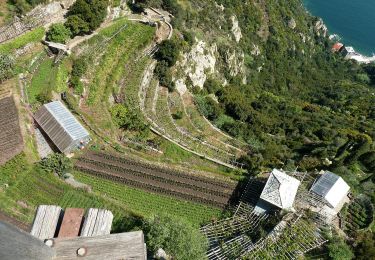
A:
{"points": [[156, 179]]}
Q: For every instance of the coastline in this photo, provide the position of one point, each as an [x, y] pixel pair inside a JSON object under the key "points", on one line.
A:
{"points": [[335, 37]]}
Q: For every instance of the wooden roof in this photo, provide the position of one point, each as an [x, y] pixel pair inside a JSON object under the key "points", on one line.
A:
{"points": [[115, 246], [97, 222], [45, 221], [71, 222]]}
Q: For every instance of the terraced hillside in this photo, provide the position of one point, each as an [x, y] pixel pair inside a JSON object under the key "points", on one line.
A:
{"points": [[155, 179], [11, 142], [189, 129]]}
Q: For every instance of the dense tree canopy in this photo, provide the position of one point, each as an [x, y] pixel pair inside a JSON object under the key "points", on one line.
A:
{"points": [[58, 33], [178, 238], [86, 15], [6, 66]]}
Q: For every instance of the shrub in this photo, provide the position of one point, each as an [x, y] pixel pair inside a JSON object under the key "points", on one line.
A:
{"points": [[168, 52], [57, 163], [212, 85], [44, 97], [164, 75], [58, 33], [178, 238], [208, 107], [77, 25], [6, 66], [339, 250], [90, 12]]}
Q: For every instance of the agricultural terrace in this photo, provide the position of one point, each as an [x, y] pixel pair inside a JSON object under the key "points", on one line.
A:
{"points": [[30, 186], [11, 142], [147, 204], [111, 66], [176, 117], [155, 179]]}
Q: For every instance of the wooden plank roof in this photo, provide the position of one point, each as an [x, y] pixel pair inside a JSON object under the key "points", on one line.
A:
{"points": [[45, 221], [71, 222], [115, 246], [97, 222]]}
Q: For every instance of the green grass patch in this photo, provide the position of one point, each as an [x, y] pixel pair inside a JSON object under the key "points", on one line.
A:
{"points": [[33, 186], [147, 204], [120, 50], [44, 79], [34, 36]]}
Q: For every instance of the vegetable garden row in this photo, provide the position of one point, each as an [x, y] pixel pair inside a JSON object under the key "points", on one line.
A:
{"points": [[156, 179], [11, 142]]}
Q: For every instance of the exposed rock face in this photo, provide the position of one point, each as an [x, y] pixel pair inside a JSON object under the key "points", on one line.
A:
{"points": [[236, 30], [256, 50], [292, 23], [235, 62], [181, 86], [195, 64], [161, 254], [320, 28]]}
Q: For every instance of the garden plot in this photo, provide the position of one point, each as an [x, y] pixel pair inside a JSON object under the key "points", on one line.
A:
{"points": [[11, 141], [157, 180]]}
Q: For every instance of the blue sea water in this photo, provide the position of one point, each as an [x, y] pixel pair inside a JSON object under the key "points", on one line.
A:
{"points": [[352, 20]]}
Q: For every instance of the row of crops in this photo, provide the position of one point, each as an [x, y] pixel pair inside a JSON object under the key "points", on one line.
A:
{"points": [[11, 142], [147, 204], [157, 180], [359, 215], [30, 187]]}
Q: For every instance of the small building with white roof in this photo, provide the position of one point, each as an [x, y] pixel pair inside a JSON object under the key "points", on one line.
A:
{"points": [[280, 191], [61, 127], [332, 189]]}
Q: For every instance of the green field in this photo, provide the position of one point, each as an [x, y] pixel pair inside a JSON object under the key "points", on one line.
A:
{"points": [[35, 35], [29, 186], [147, 204]]}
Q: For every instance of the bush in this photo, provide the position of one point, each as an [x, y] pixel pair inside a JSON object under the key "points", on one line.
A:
{"points": [[164, 75], [58, 33], [339, 250], [91, 14], [77, 25], [178, 238], [168, 52], [44, 97], [212, 85], [6, 66], [208, 107], [57, 163]]}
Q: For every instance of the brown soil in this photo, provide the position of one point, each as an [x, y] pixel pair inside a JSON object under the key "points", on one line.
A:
{"points": [[11, 142], [156, 179]]}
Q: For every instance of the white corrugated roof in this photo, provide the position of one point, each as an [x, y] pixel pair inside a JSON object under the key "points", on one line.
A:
{"points": [[331, 187], [63, 116], [280, 189]]}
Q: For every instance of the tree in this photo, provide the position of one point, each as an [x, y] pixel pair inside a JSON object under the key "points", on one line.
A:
{"points": [[44, 97], [6, 66], [168, 52], [57, 163], [92, 12], [178, 238], [77, 25], [58, 33], [164, 75], [366, 246], [339, 250]]}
